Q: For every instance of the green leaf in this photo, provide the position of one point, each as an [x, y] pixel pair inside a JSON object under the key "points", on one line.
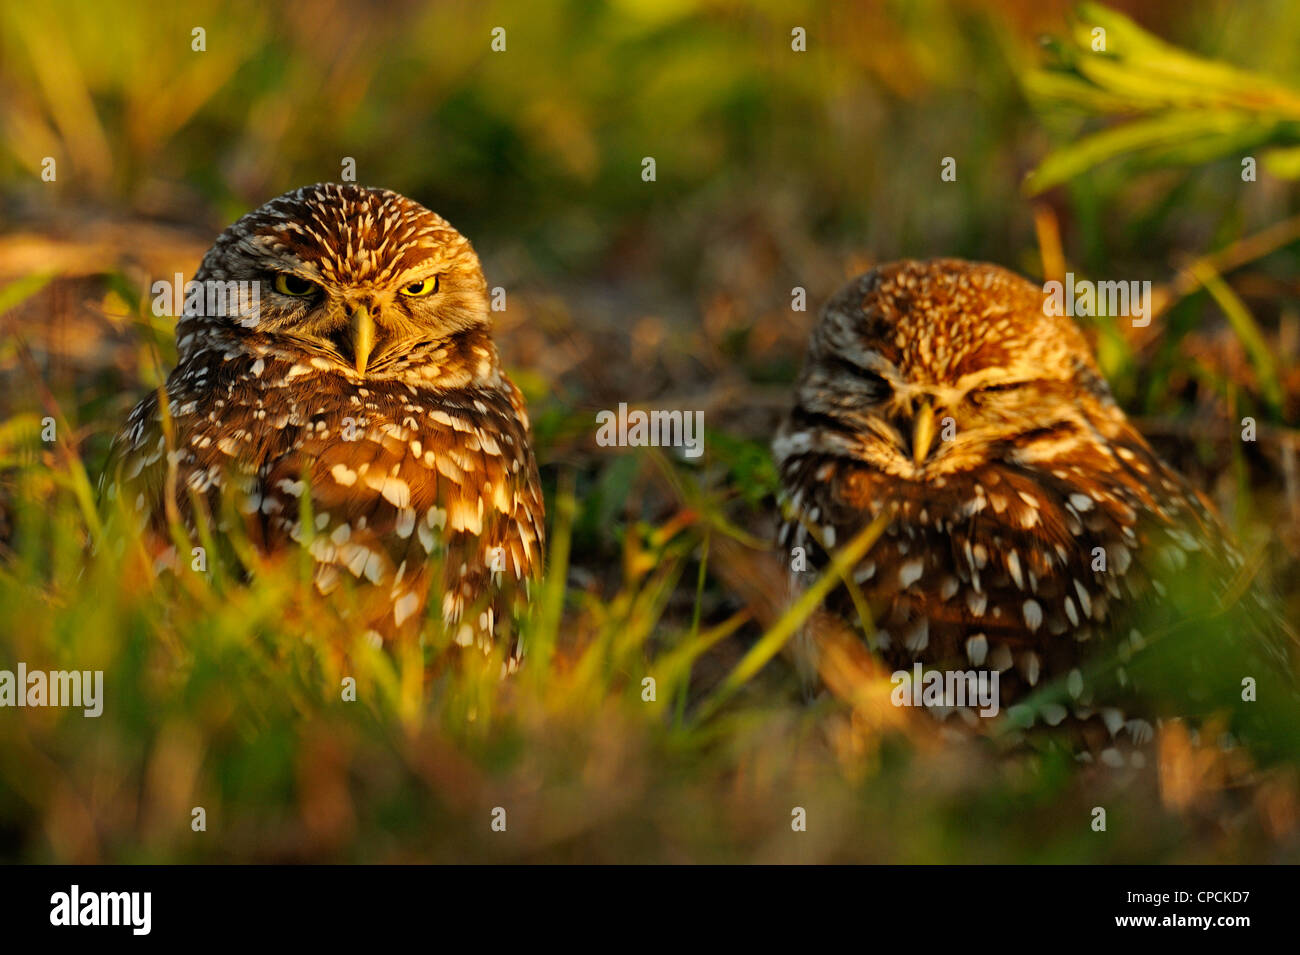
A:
{"points": [[1252, 339], [1283, 163], [20, 290], [1165, 131]]}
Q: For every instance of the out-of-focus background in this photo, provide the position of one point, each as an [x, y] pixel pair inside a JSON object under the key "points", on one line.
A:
{"points": [[125, 150]]}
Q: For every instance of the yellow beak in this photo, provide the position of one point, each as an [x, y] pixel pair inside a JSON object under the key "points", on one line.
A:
{"points": [[363, 336], [922, 432]]}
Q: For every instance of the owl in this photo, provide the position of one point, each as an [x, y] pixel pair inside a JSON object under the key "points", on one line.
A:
{"points": [[1029, 526], [342, 393]]}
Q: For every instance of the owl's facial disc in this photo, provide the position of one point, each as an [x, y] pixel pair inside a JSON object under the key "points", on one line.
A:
{"points": [[916, 427], [364, 326], [364, 278], [925, 369]]}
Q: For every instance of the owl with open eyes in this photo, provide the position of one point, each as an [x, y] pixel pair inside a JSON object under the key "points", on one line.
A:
{"points": [[356, 408], [1030, 527]]}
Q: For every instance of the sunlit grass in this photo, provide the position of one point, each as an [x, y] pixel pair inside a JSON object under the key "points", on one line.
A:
{"points": [[777, 169], [230, 696]]}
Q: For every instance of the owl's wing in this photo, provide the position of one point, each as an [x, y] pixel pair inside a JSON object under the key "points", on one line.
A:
{"points": [[401, 496], [1076, 574], [135, 478], [131, 459]]}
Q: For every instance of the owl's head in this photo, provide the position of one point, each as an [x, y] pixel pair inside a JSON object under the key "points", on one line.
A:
{"points": [[356, 276], [929, 368]]}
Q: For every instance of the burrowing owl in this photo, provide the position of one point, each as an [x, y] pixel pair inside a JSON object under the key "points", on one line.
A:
{"points": [[1026, 512], [358, 409]]}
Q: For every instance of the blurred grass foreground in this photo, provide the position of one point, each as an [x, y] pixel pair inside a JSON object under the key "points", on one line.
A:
{"points": [[656, 718]]}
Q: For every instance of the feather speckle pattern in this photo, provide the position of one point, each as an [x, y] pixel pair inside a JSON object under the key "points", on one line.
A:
{"points": [[1028, 517], [367, 380]]}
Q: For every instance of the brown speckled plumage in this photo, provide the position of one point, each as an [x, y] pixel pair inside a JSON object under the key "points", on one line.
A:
{"points": [[415, 448], [991, 554]]}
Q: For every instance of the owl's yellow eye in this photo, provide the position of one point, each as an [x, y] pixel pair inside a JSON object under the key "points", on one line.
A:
{"points": [[421, 288], [287, 283]]}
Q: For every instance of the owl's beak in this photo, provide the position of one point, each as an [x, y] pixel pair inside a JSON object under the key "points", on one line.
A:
{"points": [[362, 326], [922, 432]]}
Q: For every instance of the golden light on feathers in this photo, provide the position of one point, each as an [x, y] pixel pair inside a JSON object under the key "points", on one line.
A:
{"points": [[388, 410]]}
